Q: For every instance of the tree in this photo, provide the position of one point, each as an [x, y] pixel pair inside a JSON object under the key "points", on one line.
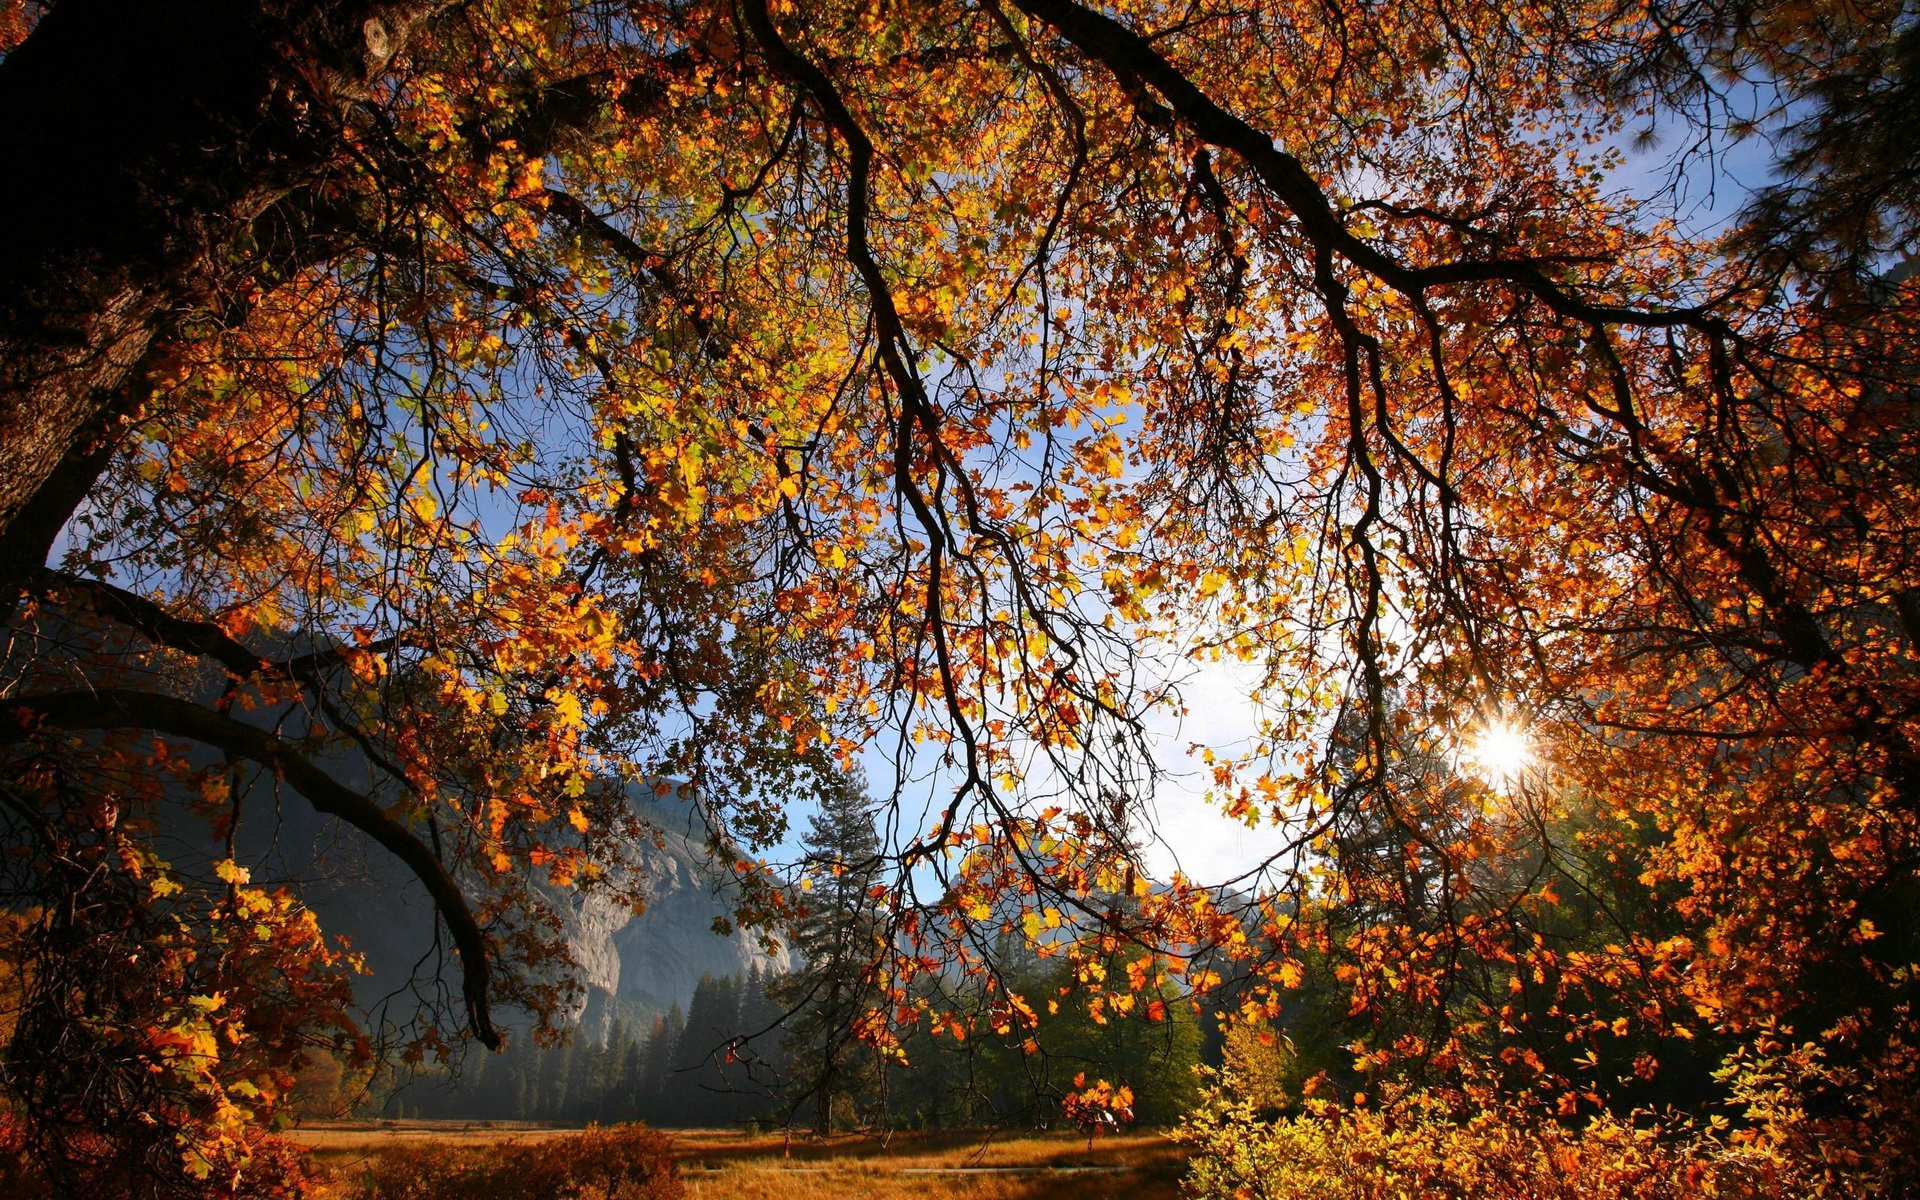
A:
{"points": [[840, 934], [703, 1072], [628, 1082], [523, 393], [1152, 1048], [657, 1072]]}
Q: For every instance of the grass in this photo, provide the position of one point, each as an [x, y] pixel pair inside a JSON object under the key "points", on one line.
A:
{"points": [[730, 1165]]}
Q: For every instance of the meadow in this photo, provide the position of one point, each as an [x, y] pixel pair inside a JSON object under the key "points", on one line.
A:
{"points": [[720, 1164]]}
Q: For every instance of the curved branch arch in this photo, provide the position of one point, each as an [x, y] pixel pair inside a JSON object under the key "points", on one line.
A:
{"points": [[81, 711]]}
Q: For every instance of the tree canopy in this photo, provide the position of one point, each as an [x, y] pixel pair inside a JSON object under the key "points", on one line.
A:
{"points": [[523, 394]]}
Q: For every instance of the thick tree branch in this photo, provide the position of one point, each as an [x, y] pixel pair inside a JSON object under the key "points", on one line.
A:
{"points": [[204, 124], [129, 709], [155, 623], [1134, 60]]}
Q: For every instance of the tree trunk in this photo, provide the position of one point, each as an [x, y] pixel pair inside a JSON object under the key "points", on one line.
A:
{"points": [[160, 155]]}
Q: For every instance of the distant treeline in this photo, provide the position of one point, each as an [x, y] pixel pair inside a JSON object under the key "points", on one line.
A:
{"points": [[672, 1072], [780, 1049], [678, 1072]]}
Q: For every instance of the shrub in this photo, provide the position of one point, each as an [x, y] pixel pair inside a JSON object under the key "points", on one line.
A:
{"points": [[1418, 1149], [252, 1165], [620, 1162], [1421, 1145], [1797, 1124]]}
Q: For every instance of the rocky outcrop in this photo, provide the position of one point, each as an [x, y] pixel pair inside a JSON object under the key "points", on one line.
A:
{"points": [[631, 967], [637, 967]]}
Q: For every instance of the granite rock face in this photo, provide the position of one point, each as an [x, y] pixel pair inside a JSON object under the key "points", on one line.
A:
{"points": [[631, 967], [637, 967]]}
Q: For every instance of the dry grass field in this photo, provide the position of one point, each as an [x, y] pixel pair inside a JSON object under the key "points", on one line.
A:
{"points": [[729, 1165]]}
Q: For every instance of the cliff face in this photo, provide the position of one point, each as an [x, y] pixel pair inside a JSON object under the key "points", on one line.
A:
{"points": [[639, 967], [634, 967]]}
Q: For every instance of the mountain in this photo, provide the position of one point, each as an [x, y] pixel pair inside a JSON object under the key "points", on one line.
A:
{"points": [[639, 967], [632, 967]]}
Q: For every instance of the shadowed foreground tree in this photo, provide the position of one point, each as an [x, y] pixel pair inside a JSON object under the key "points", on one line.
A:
{"points": [[517, 393]]}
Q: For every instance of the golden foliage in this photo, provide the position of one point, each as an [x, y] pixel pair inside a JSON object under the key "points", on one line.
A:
{"points": [[713, 392]]}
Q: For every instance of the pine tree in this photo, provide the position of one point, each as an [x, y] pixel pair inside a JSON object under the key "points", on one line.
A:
{"points": [[698, 1089], [761, 1020], [556, 1071], [839, 937], [581, 1079], [657, 1062], [624, 1097], [607, 1063]]}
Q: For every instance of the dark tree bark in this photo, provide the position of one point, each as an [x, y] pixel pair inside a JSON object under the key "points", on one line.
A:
{"points": [[102, 710], [161, 157], [167, 160]]}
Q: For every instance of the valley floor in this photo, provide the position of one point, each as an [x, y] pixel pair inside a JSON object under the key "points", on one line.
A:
{"points": [[731, 1165]]}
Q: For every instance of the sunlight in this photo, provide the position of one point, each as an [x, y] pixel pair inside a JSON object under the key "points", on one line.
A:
{"points": [[1500, 753]]}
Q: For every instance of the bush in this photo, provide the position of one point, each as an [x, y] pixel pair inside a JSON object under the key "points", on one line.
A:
{"points": [[78, 1162], [1798, 1124], [620, 1162], [1425, 1152]]}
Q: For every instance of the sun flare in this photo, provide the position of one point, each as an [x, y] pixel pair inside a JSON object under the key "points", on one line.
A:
{"points": [[1501, 753]]}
